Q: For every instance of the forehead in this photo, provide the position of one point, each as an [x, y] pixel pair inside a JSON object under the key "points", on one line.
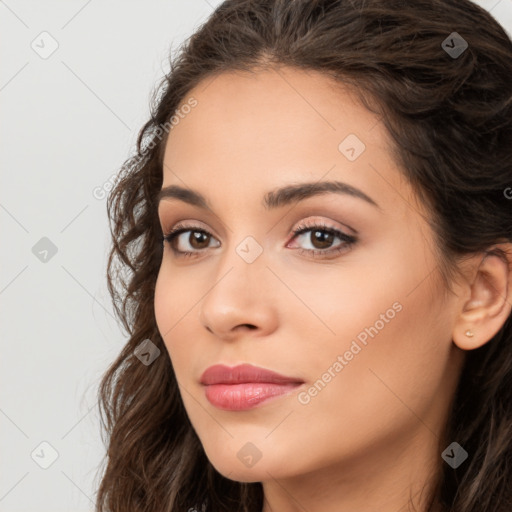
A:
{"points": [[253, 107], [268, 128]]}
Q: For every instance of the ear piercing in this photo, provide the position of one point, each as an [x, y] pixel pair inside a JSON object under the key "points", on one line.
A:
{"points": [[469, 333]]}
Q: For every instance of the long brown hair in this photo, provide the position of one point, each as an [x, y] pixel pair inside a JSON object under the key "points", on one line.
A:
{"points": [[450, 118]]}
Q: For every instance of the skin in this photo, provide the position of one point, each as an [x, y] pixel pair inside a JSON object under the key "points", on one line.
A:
{"points": [[373, 434]]}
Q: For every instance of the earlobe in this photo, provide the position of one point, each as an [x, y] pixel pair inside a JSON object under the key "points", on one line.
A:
{"points": [[489, 304]]}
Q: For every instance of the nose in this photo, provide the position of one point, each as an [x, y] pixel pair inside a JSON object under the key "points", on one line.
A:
{"points": [[241, 300]]}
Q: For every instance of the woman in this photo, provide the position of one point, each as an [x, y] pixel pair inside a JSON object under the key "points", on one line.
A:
{"points": [[317, 226]]}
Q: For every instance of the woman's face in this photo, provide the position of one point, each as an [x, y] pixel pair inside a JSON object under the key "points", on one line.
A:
{"points": [[363, 327]]}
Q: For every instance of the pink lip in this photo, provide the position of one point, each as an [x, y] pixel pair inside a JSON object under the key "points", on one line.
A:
{"points": [[244, 386]]}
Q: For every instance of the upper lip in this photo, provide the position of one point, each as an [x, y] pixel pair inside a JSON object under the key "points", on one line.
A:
{"points": [[221, 374]]}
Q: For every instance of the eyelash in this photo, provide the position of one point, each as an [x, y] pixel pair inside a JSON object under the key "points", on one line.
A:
{"points": [[304, 228]]}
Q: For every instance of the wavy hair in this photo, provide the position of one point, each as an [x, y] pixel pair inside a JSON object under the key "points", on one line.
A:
{"points": [[450, 119]]}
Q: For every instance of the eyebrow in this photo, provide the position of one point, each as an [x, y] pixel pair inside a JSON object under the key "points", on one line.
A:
{"points": [[275, 198]]}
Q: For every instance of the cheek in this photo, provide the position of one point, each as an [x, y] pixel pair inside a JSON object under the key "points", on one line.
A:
{"points": [[380, 392], [388, 327], [396, 356], [176, 303], [167, 310], [174, 298], [161, 304]]}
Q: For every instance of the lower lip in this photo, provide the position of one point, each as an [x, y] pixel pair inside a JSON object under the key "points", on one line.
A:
{"points": [[240, 397]]}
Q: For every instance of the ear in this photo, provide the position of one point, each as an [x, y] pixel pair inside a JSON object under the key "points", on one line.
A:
{"points": [[490, 300]]}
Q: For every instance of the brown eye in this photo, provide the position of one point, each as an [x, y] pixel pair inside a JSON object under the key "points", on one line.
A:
{"points": [[196, 241], [198, 238], [322, 239]]}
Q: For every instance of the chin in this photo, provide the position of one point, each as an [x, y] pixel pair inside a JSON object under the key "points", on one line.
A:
{"points": [[245, 476], [234, 469]]}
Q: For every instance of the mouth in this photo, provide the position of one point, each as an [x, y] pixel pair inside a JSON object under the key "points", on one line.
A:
{"points": [[244, 386]]}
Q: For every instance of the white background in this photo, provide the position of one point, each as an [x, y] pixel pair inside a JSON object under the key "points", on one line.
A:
{"points": [[67, 124]]}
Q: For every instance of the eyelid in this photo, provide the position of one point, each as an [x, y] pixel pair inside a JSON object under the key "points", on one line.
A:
{"points": [[306, 225], [312, 221], [186, 224], [318, 221]]}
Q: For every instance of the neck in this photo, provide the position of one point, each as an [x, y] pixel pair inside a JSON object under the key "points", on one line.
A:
{"points": [[397, 477]]}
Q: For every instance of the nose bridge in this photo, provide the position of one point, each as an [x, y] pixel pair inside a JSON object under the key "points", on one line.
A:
{"points": [[245, 261], [237, 294], [245, 242]]}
